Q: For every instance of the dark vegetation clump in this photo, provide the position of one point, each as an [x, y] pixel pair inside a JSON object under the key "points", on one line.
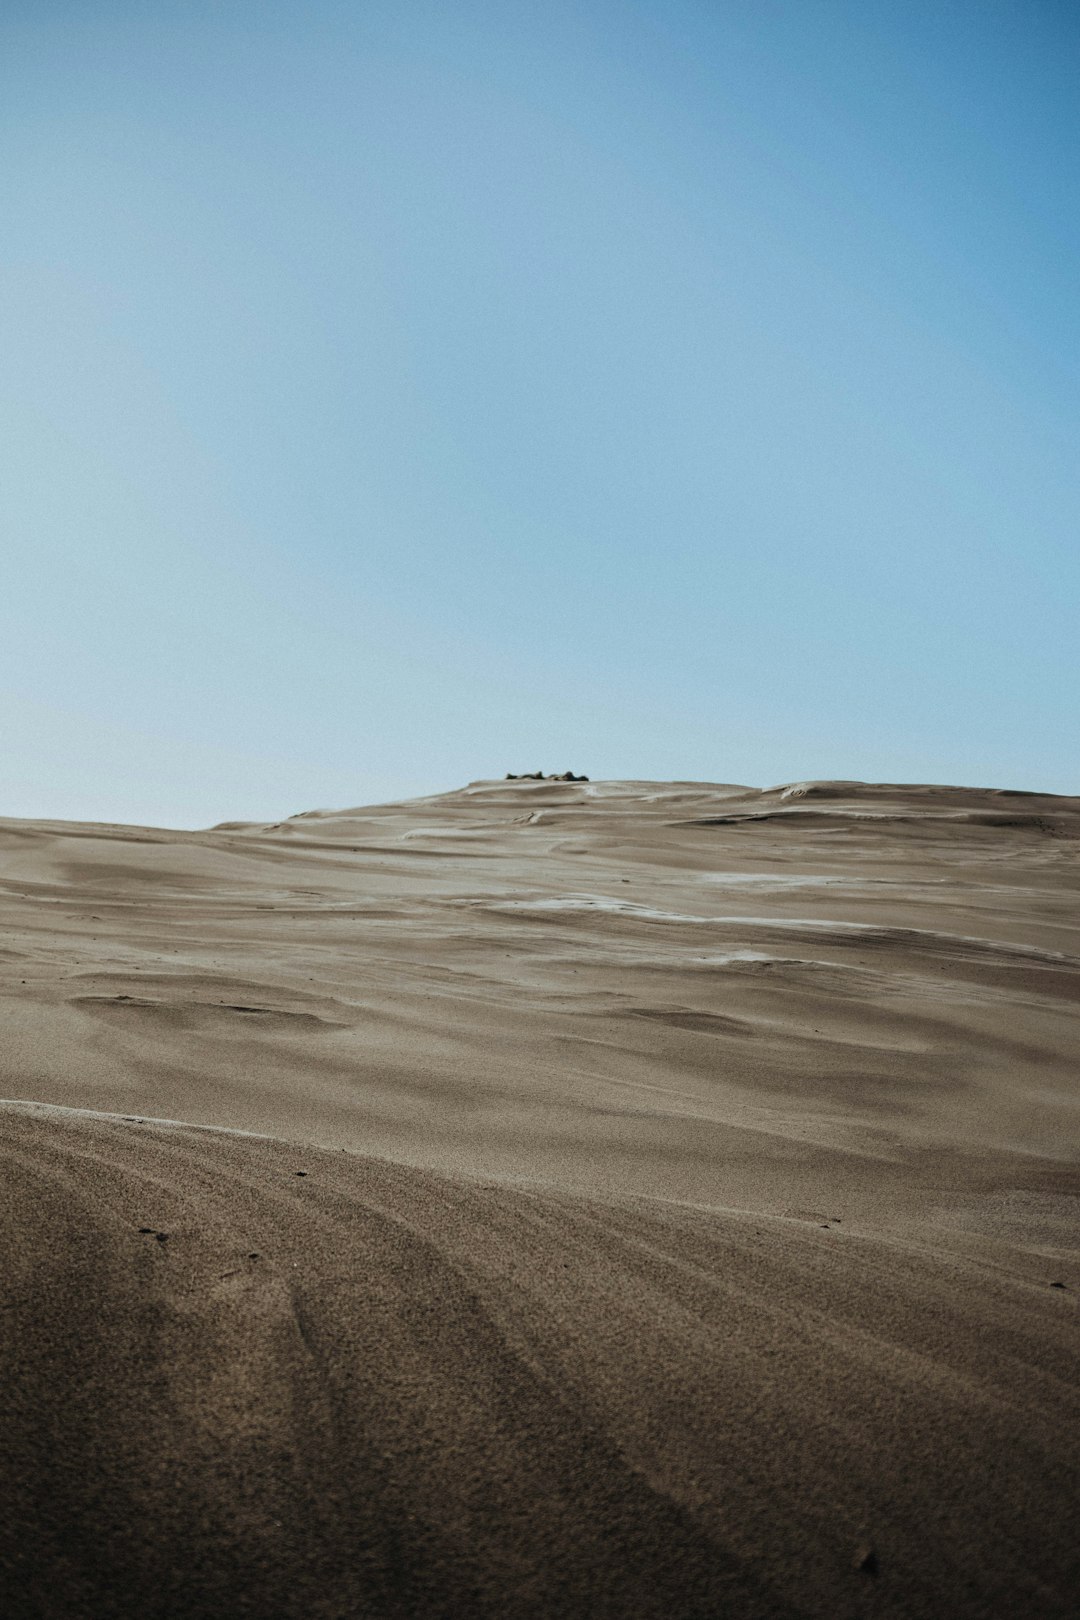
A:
{"points": [[538, 776]]}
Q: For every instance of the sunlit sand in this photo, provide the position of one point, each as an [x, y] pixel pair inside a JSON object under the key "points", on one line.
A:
{"points": [[546, 1199]]}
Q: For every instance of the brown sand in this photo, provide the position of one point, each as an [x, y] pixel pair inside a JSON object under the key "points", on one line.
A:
{"points": [[545, 1200]]}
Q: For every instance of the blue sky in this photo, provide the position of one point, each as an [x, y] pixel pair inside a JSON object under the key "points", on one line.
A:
{"points": [[396, 394]]}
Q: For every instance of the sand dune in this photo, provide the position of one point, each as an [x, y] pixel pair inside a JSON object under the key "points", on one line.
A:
{"points": [[545, 1199]]}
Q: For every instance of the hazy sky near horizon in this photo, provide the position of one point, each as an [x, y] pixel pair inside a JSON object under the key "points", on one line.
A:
{"points": [[400, 393]]}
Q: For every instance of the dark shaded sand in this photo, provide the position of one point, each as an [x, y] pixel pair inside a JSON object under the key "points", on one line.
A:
{"points": [[665, 1202]]}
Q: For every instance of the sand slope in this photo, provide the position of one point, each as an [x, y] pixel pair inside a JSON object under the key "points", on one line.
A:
{"points": [[686, 1173]]}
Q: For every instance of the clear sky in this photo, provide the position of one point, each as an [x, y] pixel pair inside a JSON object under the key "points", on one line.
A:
{"points": [[398, 393]]}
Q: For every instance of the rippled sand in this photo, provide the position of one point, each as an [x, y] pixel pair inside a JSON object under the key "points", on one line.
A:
{"points": [[543, 1199]]}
